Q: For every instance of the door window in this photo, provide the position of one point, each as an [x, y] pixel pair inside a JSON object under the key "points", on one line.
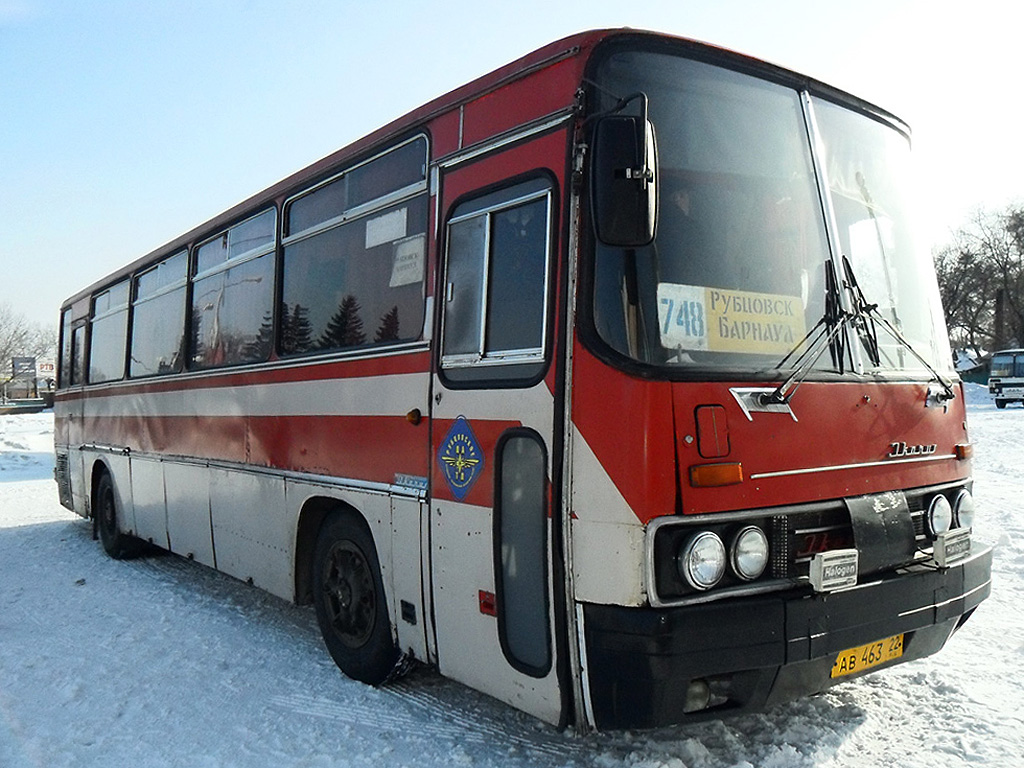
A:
{"points": [[521, 540], [496, 284]]}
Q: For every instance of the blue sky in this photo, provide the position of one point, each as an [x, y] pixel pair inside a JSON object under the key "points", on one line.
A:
{"points": [[125, 123]]}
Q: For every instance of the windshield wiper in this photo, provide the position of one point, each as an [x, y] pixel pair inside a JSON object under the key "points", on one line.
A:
{"points": [[830, 332], [861, 319], [868, 315]]}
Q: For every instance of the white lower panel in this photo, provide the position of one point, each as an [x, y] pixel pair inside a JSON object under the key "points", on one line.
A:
{"points": [[608, 563], [252, 534], [407, 576], [150, 505], [188, 511]]}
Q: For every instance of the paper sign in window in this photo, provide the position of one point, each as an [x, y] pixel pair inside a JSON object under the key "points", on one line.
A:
{"points": [[693, 317], [682, 316], [407, 267], [386, 228]]}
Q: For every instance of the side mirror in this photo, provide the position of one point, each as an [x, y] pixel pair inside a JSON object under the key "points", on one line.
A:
{"points": [[624, 181]]}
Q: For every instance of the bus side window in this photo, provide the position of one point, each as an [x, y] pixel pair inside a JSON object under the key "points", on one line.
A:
{"points": [[158, 318], [109, 334], [66, 351], [78, 355], [354, 258], [232, 295]]}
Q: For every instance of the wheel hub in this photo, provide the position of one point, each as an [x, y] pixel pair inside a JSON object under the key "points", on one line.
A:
{"points": [[351, 600]]}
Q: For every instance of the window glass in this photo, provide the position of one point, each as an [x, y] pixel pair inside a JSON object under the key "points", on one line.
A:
{"points": [[356, 284], [158, 318], [522, 532], [115, 297], [168, 273], [515, 286], [396, 170], [232, 320], [464, 302], [734, 277], [869, 174], [496, 279], [318, 206], [250, 236], [78, 355], [66, 356], [108, 334], [1002, 365]]}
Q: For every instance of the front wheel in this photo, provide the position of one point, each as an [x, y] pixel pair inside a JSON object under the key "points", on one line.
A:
{"points": [[1000, 404], [351, 607], [117, 544]]}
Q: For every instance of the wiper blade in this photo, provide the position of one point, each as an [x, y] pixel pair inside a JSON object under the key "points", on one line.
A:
{"points": [[947, 387], [862, 315], [830, 332], [866, 315]]}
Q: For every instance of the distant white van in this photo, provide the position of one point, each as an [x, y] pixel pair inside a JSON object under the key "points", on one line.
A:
{"points": [[1006, 377]]}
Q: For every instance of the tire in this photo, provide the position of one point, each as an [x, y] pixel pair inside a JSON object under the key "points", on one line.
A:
{"points": [[1000, 403], [348, 595], [118, 545]]}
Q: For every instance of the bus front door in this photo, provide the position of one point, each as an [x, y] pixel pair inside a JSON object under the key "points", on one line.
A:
{"points": [[494, 436]]}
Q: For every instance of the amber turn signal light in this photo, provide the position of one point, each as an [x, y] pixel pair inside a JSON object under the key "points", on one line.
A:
{"points": [[964, 451], [714, 475]]}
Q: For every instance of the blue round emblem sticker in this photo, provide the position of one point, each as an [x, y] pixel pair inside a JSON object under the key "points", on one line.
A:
{"points": [[460, 458]]}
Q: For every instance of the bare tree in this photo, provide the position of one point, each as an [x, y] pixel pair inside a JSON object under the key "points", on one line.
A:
{"points": [[981, 278], [21, 338], [965, 283]]}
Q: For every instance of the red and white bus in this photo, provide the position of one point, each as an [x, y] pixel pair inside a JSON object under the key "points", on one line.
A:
{"points": [[612, 384]]}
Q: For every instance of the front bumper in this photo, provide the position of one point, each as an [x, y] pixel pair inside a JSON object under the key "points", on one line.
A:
{"points": [[759, 651]]}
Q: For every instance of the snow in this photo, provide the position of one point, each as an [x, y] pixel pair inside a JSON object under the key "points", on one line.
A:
{"points": [[163, 662]]}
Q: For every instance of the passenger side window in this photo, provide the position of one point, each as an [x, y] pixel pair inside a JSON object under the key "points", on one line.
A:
{"points": [[108, 334], [232, 295], [355, 256], [158, 318]]}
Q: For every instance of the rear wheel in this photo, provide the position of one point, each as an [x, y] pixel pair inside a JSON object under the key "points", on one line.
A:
{"points": [[1000, 403], [117, 544], [351, 607]]}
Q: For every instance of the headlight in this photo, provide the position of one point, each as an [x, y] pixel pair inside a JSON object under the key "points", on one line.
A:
{"points": [[940, 515], [749, 553], [963, 510], [702, 561]]}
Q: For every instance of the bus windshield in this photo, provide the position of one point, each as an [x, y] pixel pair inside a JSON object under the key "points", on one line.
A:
{"points": [[736, 275]]}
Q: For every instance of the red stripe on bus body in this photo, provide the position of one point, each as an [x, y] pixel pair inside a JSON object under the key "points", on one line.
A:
{"points": [[373, 448]]}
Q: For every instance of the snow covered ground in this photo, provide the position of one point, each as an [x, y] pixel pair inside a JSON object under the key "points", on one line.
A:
{"points": [[162, 662]]}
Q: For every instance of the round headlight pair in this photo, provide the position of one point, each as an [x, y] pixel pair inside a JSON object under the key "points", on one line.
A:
{"points": [[702, 561], [942, 515]]}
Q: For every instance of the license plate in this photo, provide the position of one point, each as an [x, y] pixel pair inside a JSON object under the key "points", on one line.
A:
{"points": [[854, 660]]}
